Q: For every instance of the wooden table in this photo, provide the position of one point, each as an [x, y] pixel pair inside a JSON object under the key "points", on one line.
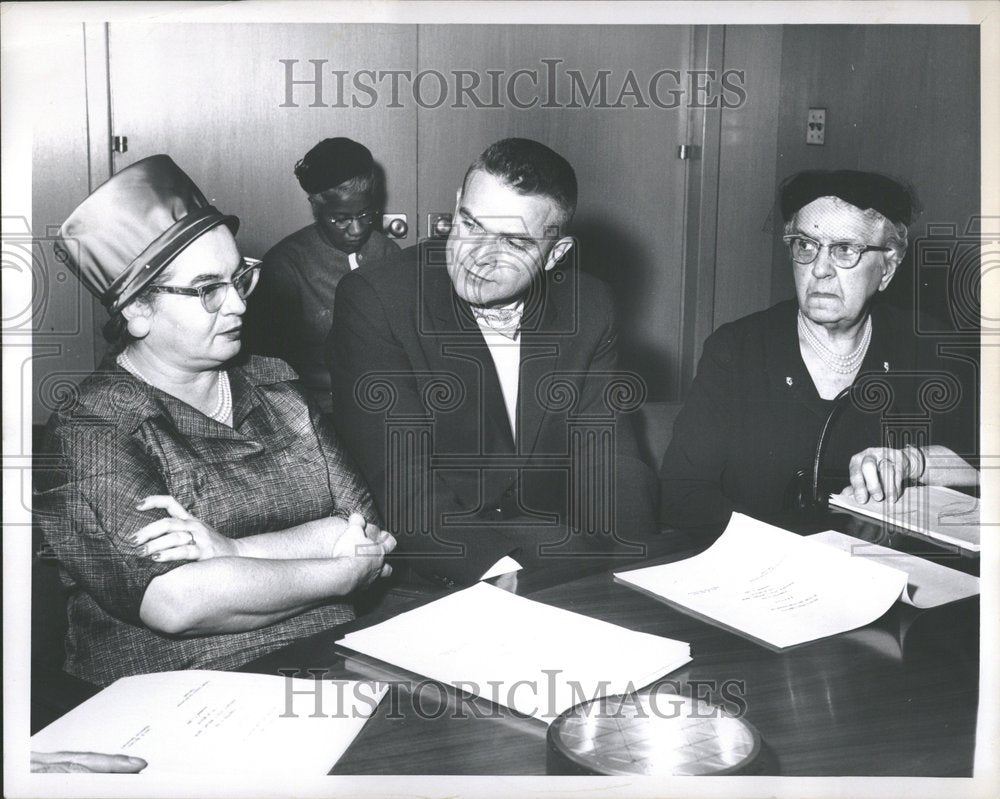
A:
{"points": [[898, 697]]}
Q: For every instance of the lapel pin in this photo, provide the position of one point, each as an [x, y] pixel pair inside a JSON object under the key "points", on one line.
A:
{"points": [[789, 380]]}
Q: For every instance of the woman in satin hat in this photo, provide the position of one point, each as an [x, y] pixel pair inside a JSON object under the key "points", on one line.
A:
{"points": [[201, 510], [767, 383]]}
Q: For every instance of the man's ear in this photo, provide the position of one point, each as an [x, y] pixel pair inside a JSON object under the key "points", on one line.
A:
{"points": [[558, 252], [889, 264]]}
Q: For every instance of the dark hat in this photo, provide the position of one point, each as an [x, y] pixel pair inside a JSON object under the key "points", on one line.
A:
{"points": [[331, 162], [864, 190], [127, 232]]}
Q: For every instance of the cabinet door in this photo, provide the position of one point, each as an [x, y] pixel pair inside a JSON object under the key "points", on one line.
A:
{"points": [[56, 320], [630, 219], [218, 100]]}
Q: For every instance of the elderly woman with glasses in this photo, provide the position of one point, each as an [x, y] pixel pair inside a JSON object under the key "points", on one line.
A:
{"points": [[291, 314], [201, 510], [766, 384]]}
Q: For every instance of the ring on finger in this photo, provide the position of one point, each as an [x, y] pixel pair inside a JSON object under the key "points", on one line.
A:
{"points": [[191, 538]]}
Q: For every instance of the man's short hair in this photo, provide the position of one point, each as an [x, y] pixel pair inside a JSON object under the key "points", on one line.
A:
{"points": [[529, 167]]}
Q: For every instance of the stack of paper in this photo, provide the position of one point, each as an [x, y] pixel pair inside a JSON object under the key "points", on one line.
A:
{"points": [[942, 514], [532, 658], [217, 722], [773, 585]]}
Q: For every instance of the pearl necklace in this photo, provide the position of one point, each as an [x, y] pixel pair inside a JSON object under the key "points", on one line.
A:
{"points": [[841, 364], [224, 405], [224, 410]]}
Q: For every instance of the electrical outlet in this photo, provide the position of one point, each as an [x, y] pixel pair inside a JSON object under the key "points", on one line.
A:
{"points": [[816, 126]]}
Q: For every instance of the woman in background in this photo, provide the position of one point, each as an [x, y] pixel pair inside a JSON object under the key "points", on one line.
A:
{"points": [[201, 511], [291, 315]]}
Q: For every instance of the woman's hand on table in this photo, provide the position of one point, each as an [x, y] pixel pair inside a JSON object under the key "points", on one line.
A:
{"points": [[180, 536], [879, 473], [84, 763]]}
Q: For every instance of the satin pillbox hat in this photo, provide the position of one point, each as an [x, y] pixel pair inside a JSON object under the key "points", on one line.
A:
{"points": [[131, 227]]}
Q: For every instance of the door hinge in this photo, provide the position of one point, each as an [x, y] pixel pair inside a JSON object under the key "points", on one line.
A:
{"points": [[119, 144]]}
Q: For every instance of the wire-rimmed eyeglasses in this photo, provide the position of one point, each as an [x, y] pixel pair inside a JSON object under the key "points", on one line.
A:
{"points": [[844, 254], [344, 221], [213, 295]]}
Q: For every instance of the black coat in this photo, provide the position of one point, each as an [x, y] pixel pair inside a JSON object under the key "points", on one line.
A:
{"points": [[752, 417], [418, 403]]}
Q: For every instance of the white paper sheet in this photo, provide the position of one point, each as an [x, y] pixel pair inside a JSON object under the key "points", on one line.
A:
{"points": [[525, 655], [773, 585], [212, 722], [932, 511], [505, 565], [929, 584]]}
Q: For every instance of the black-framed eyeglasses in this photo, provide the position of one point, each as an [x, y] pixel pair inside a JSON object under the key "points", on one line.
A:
{"points": [[844, 254], [344, 221], [213, 295]]}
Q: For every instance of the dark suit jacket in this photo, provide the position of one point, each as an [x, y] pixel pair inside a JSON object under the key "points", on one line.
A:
{"points": [[418, 403]]}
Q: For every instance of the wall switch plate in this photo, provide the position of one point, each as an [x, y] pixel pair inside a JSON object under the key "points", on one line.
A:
{"points": [[395, 226], [816, 126]]}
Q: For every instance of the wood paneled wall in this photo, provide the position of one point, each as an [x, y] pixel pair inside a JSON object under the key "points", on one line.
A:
{"points": [[629, 223], [63, 311], [900, 99], [747, 166], [239, 129]]}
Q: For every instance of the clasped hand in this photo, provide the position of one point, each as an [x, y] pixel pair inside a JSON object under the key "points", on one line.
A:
{"points": [[181, 536], [368, 544]]}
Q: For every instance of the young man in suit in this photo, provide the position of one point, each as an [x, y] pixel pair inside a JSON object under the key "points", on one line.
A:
{"points": [[475, 382]]}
